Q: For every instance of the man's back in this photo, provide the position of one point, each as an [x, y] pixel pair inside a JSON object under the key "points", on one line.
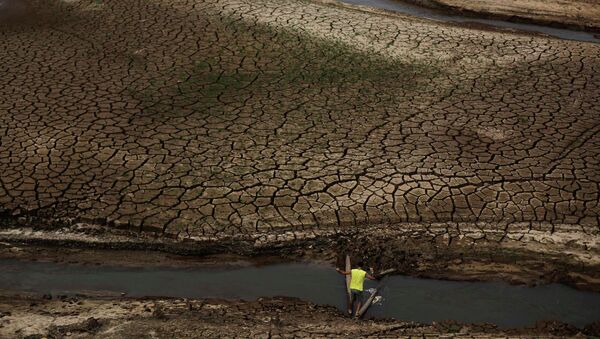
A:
{"points": [[358, 278]]}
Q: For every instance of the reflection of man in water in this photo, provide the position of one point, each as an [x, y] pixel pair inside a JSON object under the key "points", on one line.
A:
{"points": [[356, 285]]}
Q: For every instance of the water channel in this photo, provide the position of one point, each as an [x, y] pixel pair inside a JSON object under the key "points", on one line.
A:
{"points": [[405, 298]]}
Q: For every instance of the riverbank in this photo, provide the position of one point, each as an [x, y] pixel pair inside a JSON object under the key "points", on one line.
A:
{"points": [[581, 15], [447, 16], [106, 316], [477, 252], [400, 297], [290, 130]]}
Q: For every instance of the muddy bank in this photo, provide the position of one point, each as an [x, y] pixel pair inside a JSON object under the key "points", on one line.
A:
{"points": [[480, 23], [578, 15], [400, 297], [31, 316], [442, 251]]}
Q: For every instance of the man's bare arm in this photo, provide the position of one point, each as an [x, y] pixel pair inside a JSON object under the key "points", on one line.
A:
{"points": [[343, 272], [371, 277]]}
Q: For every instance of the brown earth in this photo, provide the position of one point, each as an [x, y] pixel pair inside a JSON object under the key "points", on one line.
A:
{"points": [[577, 14], [235, 123], [298, 130], [29, 316]]}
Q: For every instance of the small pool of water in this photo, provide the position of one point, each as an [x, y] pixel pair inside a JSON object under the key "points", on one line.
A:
{"points": [[405, 298], [398, 6]]}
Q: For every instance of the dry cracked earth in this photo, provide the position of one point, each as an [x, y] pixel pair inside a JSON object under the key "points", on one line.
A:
{"points": [[209, 117], [283, 120], [228, 118]]}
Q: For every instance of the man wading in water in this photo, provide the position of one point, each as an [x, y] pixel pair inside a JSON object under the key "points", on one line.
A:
{"points": [[356, 285]]}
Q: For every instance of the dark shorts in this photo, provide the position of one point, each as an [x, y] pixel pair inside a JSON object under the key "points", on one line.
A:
{"points": [[356, 295]]}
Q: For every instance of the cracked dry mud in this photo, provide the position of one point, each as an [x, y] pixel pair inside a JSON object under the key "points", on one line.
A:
{"points": [[266, 318], [293, 128], [272, 121]]}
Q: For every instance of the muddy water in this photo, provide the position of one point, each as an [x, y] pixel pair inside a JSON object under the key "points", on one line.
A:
{"points": [[404, 298], [397, 6]]}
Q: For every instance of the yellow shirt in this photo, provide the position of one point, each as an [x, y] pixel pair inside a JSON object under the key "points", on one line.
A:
{"points": [[357, 280]]}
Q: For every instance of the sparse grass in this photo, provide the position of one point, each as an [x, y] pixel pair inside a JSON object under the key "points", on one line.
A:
{"points": [[523, 119]]}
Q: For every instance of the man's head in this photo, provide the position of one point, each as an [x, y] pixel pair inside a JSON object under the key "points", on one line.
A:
{"points": [[359, 264]]}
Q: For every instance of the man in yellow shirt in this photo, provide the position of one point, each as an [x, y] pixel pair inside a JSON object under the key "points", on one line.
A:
{"points": [[356, 285]]}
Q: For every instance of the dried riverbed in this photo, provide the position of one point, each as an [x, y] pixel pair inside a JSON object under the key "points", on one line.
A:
{"points": [[230, 130]]}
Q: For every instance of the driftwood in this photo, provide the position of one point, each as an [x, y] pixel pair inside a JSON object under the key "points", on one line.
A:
{"points": [[363, 309], [348, 280]]}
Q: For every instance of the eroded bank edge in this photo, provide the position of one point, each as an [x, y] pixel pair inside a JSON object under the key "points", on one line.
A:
{"points": [[279, 316], [453, 251], [516, 18]]}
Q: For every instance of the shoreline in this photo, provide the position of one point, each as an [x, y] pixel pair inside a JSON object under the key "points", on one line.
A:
{"points": [[476, 20], [109, 316], [441, 251], [504, 16]]}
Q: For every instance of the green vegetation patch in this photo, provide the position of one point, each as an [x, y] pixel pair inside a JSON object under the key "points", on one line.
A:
{"points": [[250, 60]]}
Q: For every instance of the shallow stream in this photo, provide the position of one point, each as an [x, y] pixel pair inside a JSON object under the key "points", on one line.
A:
{"points": [[405, 298]]}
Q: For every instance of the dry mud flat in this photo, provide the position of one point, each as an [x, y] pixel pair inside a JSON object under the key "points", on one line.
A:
{"points": [[299, 129], [26, 316], [242, 126]]}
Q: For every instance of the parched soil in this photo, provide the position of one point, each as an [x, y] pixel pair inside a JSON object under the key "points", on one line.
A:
{"points": [[578, 14], [28, 316], [299, 129]]}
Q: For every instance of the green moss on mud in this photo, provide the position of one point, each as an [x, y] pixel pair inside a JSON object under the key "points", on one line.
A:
{"points": [[258, 60]]}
